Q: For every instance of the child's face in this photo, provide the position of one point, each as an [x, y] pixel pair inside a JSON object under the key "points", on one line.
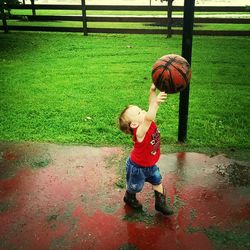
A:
{"points": [[136, 115]]}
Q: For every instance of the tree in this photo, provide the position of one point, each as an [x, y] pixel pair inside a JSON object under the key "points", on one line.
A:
{"points": [[5, 11], [5, 7]]}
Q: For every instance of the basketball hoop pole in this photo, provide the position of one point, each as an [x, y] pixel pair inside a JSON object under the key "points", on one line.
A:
{"points": [[187, 37]]}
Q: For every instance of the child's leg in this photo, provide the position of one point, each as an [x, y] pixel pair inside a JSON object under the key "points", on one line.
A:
{"points": [[160, 198], [135, 177], [158, 188], [135, 182], [130, 199]]}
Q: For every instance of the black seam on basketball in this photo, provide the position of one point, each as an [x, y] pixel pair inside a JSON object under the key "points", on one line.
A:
{"points": [[162, 86], [160, 81], [155, 69], [181, 72], [168, 62], [172, 87]]}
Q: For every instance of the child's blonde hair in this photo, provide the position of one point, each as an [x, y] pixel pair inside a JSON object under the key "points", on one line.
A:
{"points": [[124, 122]]}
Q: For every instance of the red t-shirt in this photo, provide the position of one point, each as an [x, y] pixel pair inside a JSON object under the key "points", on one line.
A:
{"points": [[147, 152]]}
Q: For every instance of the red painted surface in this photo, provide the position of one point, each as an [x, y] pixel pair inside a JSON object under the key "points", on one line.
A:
{"points": [[73, 203]]}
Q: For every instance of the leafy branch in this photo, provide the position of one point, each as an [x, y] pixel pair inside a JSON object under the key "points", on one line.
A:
{"points": [[5, 7]]}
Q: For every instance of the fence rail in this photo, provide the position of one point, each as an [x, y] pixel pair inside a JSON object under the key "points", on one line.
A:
{"points": [[130, 7], [147, 19], [166, 21]]}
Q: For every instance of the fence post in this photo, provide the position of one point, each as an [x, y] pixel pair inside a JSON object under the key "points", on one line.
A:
{"points": [[84, 18], [187, 37], [4, 20], [170, 9], [33, 7]]}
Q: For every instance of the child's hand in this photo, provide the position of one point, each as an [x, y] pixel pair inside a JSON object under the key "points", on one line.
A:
{"points": [[162, 97]]}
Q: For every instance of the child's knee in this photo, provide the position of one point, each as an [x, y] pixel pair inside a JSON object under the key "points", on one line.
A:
{"points": [[135, 188]]}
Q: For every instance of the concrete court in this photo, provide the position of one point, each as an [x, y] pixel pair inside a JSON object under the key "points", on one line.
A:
{"points": [[70, 197]]}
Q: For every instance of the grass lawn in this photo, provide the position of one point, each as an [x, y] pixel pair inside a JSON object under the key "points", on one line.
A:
{"points": [[113, 12], [67, 88], [135, 25]]}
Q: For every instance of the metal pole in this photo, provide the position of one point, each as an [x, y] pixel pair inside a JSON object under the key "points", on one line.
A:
{"points": [[170, 5], [187, 37]]}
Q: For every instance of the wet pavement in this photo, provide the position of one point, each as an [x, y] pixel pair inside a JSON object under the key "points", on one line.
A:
{"points": [[71, 197]]}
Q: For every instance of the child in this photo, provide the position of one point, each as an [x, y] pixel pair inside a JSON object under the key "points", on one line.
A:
{"points": [[141, 166]]}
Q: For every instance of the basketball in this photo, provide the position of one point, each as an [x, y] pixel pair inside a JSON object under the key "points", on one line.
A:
{"points": [[171, 73]]}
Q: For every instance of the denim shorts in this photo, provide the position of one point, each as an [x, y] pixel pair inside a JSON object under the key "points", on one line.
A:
{"points": [[137, 175]]}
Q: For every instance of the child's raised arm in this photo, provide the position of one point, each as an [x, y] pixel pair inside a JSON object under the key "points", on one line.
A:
{"points": [[154, 102]]}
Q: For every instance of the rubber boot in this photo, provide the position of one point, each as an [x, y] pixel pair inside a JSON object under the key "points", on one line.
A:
{"points": [[160, 204], [131, 200]]}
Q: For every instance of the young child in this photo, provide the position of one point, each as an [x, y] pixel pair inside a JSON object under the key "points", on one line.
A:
{"points": [[141, 165]]}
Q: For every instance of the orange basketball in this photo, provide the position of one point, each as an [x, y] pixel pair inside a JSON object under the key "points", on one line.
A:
{"points": [[171, 73]]}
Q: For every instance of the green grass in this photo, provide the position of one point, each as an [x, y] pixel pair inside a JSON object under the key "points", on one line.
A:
{"points": [[220, 26], [113, 12], [197, 26], [67, 88], [236, 237]]}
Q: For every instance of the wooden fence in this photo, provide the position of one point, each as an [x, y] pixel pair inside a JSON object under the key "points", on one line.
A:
{"points": [[168, 22]]}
